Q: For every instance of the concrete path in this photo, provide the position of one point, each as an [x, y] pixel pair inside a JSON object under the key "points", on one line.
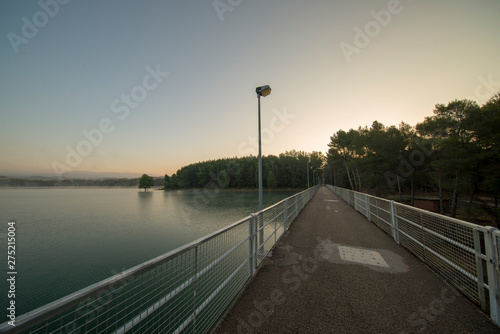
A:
{"points": [[335, 272]]}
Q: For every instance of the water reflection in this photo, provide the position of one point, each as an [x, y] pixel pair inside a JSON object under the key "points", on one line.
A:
{"points": [[145, 194], [88, 233]]}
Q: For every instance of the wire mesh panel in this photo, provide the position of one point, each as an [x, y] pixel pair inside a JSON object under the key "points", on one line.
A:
{"points": [[273, 221], [290, 210], [496, 263], [141, 300], [268, 234], [411, 234], [494, 276], [380, 213], [346, 194], [222, 270], [496, 236], [360, 203], [445, 244]]}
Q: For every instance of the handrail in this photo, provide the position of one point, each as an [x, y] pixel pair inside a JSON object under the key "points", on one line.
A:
{"points": [[44, 312]]}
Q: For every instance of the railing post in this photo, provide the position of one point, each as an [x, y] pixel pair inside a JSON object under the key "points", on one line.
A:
{"points": [[394, 221], [296, 213], [492, 264], [285, 217], [251, 240], [423, 236], [479, 266], [276, 227], [195, 286], [368, 215]]}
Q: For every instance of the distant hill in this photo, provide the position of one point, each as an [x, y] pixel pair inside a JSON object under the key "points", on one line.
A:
{"points": [[93, 175], [27, 174]]}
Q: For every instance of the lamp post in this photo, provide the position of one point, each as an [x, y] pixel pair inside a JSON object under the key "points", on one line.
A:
{"points": [[308, 162], [261, 91], [314, 179]]}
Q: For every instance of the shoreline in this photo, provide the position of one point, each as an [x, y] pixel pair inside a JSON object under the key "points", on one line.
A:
{"points": [[238, 189]]}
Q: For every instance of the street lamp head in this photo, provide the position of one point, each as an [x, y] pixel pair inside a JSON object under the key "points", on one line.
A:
{"points": [[263, 90]]}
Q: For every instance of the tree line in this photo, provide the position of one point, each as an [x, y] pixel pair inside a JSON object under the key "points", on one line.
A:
{"points": [[454, 152], [122, 182], [288, 170]]}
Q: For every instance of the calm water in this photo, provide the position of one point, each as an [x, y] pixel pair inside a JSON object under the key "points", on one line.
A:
{"points": [[67, 239]]}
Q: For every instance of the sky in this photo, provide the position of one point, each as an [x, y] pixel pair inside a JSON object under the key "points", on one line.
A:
{"points": [[151, 86]]}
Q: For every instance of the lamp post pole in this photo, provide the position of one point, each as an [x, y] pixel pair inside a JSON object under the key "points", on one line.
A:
{"points": [[260, 167], [314, 179], [261, 91]]}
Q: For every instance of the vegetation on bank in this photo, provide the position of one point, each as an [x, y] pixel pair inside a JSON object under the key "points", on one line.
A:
{"points": [[288, 170], [453, 154], [122, 182], [145, 182]]}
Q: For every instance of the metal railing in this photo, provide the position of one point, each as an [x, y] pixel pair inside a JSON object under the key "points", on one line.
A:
{"points": [[186, 290], [466, 255]]}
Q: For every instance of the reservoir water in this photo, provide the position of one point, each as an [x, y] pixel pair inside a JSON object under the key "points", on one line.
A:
{"points": [[69, 238]]}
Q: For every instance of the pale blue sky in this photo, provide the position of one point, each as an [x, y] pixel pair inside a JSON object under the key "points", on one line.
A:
{"points": [[87, 55]]}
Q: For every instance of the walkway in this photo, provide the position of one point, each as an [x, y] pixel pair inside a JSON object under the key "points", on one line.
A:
{"points": [[335, 272]]}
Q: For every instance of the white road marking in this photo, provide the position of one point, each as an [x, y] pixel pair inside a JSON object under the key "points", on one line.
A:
{"points": [[363, 256]]}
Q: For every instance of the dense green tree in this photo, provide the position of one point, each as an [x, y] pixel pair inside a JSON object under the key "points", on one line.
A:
{"points": [[145, 182], [455, 153], [342, 147], [485, 129], [289, 170], [271, 180], [369, 156], [173, 183]]}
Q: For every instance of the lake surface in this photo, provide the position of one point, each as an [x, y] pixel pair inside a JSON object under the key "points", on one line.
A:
{"points": [[69, 238]]}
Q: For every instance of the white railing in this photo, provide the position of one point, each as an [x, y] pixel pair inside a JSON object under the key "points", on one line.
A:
{"points": [[464, 254], [186, 290]]}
